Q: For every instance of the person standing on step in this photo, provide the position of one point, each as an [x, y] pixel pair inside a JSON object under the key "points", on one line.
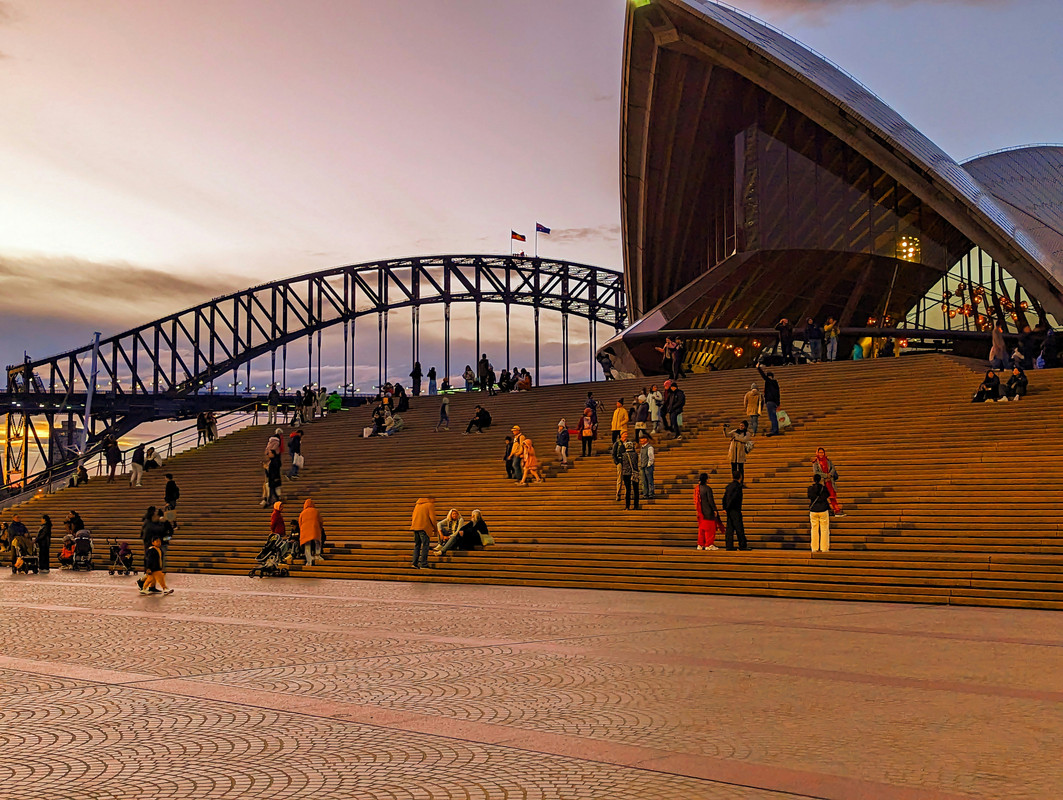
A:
{"points": [[620, 419], [708, 514], [507, 457], [171, 493], [212, 426], [741, 443], [137, 462], [444, 415], [297, 408], [814, 339], [642, 415], [619, 446], [44, 544], [561, 446], [786, 339], [432, 390], [273, 480], [732, 506], [629, 471], [655, 400], [483, 367], [772, 398], [666, 351], [517, 453], [586, 432], [423, 521], [311, 533], [754, 404], [469, 377], [273, 399], [295, 447], [309, 404], [415, 379], [201, 429], [830, 334], [646, 459], [819, 514], [113, 455], [822, 466], [675, 403], [678, 354]]}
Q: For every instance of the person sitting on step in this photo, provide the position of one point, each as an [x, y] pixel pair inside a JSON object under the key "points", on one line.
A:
{"points": [[447, 529], [480, 420], [1017, 383], [988, 389]]}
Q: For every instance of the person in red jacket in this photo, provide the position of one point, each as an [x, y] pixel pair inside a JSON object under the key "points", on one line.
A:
{"points": [[276, 519]]}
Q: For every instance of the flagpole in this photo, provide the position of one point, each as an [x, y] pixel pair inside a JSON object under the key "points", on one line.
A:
{"points": [[536, 239], [511, 243]]}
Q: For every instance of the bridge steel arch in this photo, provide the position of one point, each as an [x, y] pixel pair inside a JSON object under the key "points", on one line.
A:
{"points": [[144, 372]]}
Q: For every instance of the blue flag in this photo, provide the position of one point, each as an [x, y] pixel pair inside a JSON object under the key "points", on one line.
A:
{"points": [[540, 228]]}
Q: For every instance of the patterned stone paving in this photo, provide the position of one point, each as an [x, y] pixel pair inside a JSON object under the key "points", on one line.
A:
{"points": [[233, 688]]}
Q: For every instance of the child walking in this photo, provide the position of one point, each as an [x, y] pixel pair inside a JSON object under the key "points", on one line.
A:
{"points": [[153, 574], [444, 415]]}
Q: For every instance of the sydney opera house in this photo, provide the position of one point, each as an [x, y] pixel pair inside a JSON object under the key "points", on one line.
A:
{"points": [[761, 181]]}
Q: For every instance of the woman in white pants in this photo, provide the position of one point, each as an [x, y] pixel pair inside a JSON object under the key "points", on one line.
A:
{"points": [[819, 514]]}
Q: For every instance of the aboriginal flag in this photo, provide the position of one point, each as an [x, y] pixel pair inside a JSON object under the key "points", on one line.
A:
{"points": [[517, 237]]}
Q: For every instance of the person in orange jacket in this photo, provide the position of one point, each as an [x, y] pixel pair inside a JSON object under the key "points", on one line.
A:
{"points": [[423, 522]]}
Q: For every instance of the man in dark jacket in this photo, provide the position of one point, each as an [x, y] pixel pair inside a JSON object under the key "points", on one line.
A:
{"points": [[772, 398], [786, 339], [415, 379], [619, 446], [295, 447], [732, 505], [172, 492], [480, 420], [138, 466], [273, 400], [674, 404], [814, 340]]}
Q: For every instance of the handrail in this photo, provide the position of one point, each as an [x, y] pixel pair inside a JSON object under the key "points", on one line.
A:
{"points": [[57, 475]]}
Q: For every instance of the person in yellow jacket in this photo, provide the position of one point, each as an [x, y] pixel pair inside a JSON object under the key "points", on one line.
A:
{"points": [[423, 522], [620, 419]]}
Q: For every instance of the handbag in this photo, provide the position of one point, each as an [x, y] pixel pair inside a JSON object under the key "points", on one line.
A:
{"points": [[297, 460], [784, 419], [749, 447]]}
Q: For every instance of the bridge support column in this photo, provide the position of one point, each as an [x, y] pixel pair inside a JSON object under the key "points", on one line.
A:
{"points": [[508, 365], [537, 345], [446, 343], [564, 347]]}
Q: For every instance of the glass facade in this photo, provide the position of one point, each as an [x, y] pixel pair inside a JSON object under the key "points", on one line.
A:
{"points": [[972, 295]]}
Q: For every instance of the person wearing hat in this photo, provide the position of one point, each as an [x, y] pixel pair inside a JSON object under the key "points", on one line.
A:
{"points": [[562, 441], [646, 459], [516, 453], [754, 404]]}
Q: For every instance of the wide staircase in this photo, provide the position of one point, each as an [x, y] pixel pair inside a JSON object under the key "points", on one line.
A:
{"points": [[947, 501]]}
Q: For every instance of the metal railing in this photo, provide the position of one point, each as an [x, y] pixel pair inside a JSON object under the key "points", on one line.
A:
{"points": [[188, 438]]}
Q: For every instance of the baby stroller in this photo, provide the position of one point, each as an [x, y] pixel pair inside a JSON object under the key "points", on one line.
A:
{"points": [[83, 550], [23, 556], [274, 559], [121, 558]]}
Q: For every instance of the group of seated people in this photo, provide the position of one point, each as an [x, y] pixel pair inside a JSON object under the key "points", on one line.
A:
{"points": [[384, 422], [454, 533], [990, 389], [519, 380]]}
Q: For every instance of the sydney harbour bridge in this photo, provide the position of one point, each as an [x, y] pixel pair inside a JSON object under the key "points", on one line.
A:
{"points": [[173, 367]]}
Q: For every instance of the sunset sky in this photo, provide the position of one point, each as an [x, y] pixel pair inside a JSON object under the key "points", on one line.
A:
{"points": [[155, 154]]}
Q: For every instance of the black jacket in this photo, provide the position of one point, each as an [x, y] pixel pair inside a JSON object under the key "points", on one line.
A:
{"points": [[771, 388], [679, 399], [153, 560], [818, 497], [619, 446], [732, 497], [1017, 384], [708, 502], [295, 444], [138, 455], [482, 418], [172, 493]]}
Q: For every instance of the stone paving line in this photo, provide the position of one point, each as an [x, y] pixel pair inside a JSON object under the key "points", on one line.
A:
{"points": [[643, 701]]}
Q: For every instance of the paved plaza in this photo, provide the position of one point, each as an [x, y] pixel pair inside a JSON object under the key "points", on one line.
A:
{"points": [[241, 688]]}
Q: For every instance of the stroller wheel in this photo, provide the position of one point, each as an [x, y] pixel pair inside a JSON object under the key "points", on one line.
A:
{"points": [[110, 572], [251, 574]]}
